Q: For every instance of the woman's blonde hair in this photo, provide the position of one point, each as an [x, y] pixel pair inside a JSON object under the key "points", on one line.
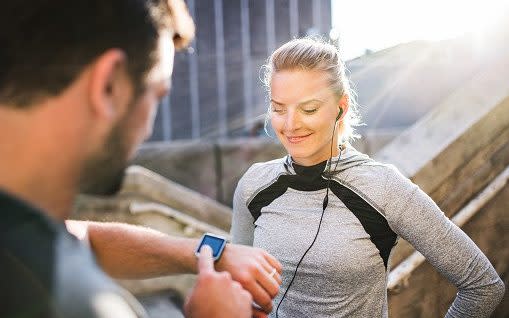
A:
{"points": [[316, 55]]}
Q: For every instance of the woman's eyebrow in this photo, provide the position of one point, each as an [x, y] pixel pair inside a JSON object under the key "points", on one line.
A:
{"points": [[313, 100]]}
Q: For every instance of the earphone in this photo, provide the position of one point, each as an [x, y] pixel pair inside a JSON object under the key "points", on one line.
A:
{"points": [[339, 116], [324, 206]]}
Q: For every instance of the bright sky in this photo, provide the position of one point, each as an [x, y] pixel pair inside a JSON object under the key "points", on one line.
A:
{"points": [[378, 24]]}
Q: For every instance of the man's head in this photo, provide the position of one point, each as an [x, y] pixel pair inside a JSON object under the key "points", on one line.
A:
{"points": [[109, 62]]}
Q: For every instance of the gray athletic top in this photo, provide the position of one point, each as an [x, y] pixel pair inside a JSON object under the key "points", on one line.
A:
{"points": [[278, 204]]}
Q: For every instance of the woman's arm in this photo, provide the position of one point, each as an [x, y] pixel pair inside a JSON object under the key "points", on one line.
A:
{"points": [[414, 216]]}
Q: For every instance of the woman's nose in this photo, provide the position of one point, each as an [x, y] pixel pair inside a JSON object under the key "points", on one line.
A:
{"points": [[292, 121]]}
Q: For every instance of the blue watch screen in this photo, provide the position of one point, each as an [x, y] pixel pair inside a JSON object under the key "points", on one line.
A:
{"points": [[214, 242]]}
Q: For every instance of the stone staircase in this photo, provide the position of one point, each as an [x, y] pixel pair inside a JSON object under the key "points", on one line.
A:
{"points": [[459, 155]]}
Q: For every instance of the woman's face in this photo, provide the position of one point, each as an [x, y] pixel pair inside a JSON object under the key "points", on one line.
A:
{"points": [[303, 114]]}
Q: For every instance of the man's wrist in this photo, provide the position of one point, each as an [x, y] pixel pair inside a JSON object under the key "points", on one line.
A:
{"points": [[179, 254]]}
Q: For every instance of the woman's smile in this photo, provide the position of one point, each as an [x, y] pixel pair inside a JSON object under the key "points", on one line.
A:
{"points": [[295, 139]]}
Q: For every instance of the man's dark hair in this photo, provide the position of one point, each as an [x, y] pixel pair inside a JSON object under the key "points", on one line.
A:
{"points": [[45, 44]]}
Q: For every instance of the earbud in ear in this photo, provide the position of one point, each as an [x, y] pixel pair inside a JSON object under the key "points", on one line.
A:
{"points": [[340, 113]]}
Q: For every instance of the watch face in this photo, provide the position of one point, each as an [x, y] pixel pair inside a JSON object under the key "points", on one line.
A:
{"points": [[215, 243]]}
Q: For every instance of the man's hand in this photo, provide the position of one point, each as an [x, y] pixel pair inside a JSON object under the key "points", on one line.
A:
{"points": [[216, 294], [254, 269]]}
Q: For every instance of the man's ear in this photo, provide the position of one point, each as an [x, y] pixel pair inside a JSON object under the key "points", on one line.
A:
{"points": [[108, 82]]}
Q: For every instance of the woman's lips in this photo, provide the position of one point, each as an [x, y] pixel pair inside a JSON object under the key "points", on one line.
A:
{"points": [[296, 139]]}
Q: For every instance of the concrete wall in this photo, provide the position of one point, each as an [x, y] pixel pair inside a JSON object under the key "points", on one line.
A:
{"points": [[212, 169]]}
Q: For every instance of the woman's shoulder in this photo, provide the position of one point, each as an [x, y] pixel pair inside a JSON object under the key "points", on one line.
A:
{"points": [[358, 163], [268, 167], [261, 174]]}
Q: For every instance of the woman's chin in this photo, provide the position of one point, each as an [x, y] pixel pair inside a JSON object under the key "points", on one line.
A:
{"points": [[300, 157]]}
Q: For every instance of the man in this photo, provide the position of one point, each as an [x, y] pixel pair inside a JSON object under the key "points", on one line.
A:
{"points": [[79, 84]]}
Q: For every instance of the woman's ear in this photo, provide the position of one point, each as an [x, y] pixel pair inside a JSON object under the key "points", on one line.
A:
{"points": [[108, 80], [343, 105]]}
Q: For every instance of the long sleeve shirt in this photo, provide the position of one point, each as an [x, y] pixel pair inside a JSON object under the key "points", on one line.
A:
{"points": [[278, 206]]}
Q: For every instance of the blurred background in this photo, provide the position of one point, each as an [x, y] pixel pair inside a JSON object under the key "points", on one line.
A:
{"points": [[397, 52], [431, 79]]}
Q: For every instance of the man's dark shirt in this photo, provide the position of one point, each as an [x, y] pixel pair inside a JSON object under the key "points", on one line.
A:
{"points": [[47, 272]]}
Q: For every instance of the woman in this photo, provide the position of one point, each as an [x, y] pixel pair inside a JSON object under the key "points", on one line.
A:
{"points": [[332, 215]]}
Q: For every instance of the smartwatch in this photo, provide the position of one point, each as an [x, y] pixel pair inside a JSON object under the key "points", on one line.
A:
{"points": [[216, 243]]}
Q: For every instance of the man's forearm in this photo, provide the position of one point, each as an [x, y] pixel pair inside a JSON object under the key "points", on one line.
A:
{"points": [[130, 251]]}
